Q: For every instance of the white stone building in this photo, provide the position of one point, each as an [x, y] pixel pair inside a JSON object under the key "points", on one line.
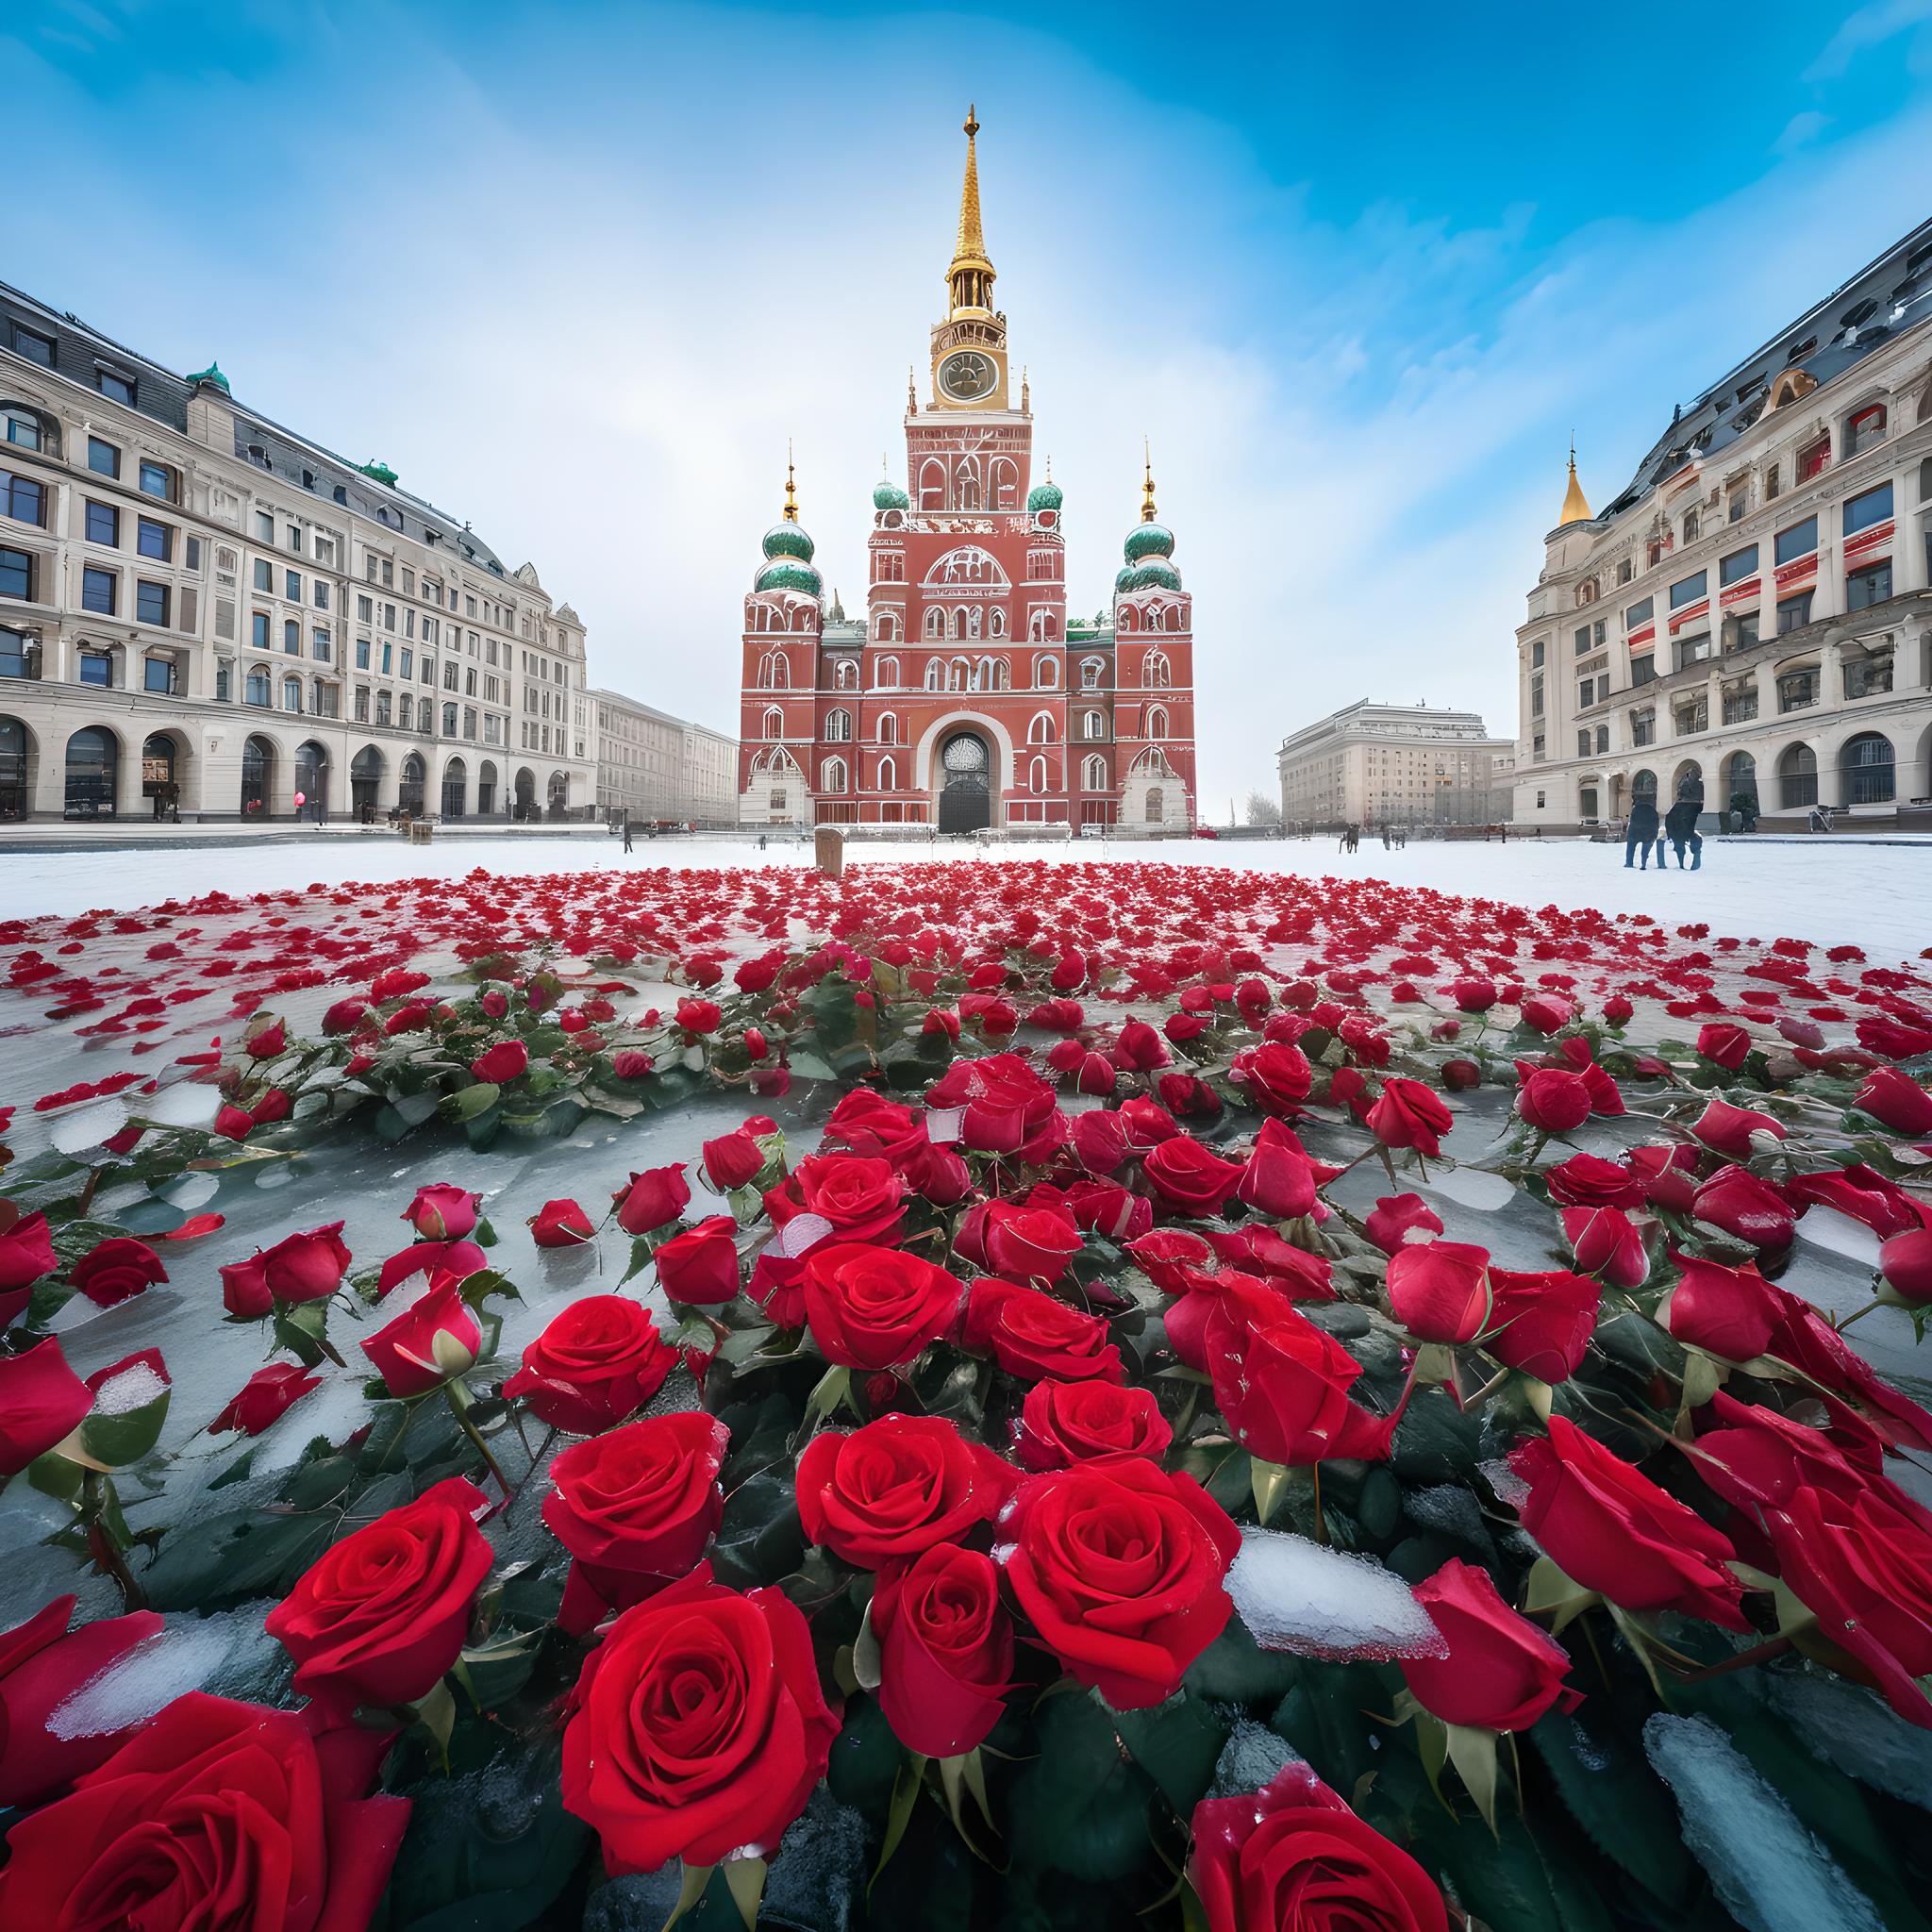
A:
{"points": [[1373, 764], [202, 611], [659, 768], [1751, 616]]}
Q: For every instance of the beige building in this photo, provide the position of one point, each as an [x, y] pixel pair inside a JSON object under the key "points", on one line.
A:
{"points": [[1373, 764], [1752, 616], [202, 611], [658, 767]]}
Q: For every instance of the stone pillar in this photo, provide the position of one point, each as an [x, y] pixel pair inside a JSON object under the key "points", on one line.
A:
{"points": [[829, 847]]}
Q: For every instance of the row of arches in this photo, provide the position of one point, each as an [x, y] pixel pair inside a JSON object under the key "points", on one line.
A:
{"points": [[1866, 772], [964, 673], [969, 483]]}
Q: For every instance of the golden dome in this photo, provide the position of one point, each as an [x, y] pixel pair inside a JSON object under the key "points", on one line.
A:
{"points": [[1576, 504]]}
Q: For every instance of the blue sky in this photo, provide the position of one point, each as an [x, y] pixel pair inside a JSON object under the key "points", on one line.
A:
{"points": [[577, 272]]}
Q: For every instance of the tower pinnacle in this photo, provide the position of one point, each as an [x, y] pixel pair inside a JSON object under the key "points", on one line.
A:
{"points": [[1576, 504], [790, 487], [1147, 486], [971, 276]]}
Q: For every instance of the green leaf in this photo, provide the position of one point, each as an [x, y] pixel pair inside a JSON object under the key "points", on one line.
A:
{"points": [[1081, 1806], [760, 1538], [232, 1556], [1177, 1744], [1619, 1800]]}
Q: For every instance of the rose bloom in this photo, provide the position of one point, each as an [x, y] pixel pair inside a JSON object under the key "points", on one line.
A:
{"points": [[116, 1269], [652, 1200], [1293, 1858], [1724, 1044], [1896, 1100], [864, 1199], [600, 1360], [1667, 1176], [305, 1267], [945, 1650], [1540, 1323], [27, 1253], [1501, 1673], [560, 1224], [1279, 1178], [1863, 1193], [867, 1122], [434, 1260], [1440, 1290], [1608, 1243], [697, 1728], [701, 1264], [379, 1618], [42, 1402], [1460, 1075], [1106, 1207], [1399, 1220], [1473, 994], [1906, 1263], [732, 1161], [1408, 1115], [212, 1814], [442, 1212], [1030, 1334], [264, 1397], [1117, 1567], [635, 1508], [1588, 1180], [41, 1666], [1611, 1529], [501, 1063], [1275, 1076], [1737, 1201], [1006, 1102], [1100, 1141], [437, 1337], [1062, 1423], [1189, 1179], [1547, 1012], [1030, 1242], [1166, 1254], [1550, 1099], [875, 1309], [896, 1487]]}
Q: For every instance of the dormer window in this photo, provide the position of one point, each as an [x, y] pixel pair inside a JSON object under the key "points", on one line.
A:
{"points": [[1866, 430], [1813, 458]]}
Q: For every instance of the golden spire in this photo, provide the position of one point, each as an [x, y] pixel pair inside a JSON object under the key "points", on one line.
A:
{"points": [[1147, 486], [1576, 506], [790, 487], [971, 274]]}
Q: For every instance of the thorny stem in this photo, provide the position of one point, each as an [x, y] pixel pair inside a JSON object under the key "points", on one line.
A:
{"points": [[101, 1542], [1757, 1654], [459, 1402]]}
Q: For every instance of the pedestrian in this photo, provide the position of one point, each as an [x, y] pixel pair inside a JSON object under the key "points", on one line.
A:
{"points": [[1680, 823], [1641, 831], [1820, 820], [627, 831]]}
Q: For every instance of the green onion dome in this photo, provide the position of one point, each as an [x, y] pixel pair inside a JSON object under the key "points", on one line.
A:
{"points": [[788, 540], [1155, 574], [788, 574], [885, 494], [211, 376], [1044, 496], [1149, 540], [1121, 576]]}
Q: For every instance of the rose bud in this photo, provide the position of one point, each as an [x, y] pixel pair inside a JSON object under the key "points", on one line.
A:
{"points": [[274, 1106], [560, 1224], [264, 1397], [501, 1063], [1588, 1180], [1440, 1290], [1617, 1010], [1460, 1076], [1668, 1176], [1275, 1076], [635, 1508], [1906, 1263], [945, 1650], [267, 1041], [1032, 1335], [1473, 995], [42, 1402], [1551, 1100], [772, 1083], [115, 1269], [895, 1488], [1140, 1048], [938, 1175], [1029, 1244], [1279, 1178], [1737, 1131], [1737, 1203], [441, 1212], [1408, 1115], [433, 1260], [1724, 1044], [754, 1047], [1606, 1244], [1894, 1039], [652, 1199], [27, 1253], [1095, 1075], [701, 1264], [1731, 1313], [233, 1122], [1188, 1178], [1540, 1323], [344, 1016], [1061, 1422], [732, 1161], [1896, 1101], [1399, 1220], [1100, 1141], [1502, 1671], [699, 1016], [874, 1308], [496, 1003], [436, 1337]]}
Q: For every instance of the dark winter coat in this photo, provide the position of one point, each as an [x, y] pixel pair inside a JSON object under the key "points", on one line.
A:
{"points": [[1681, 819], [1643, 825]]}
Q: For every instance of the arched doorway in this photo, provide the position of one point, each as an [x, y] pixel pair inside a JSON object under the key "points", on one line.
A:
{"points": [[558, 795], [1156, 805], [485, 788], [311, 778], [1689, 781], [1797, 778], [1643, 785], [526, 793], [94, 773], [160, 783], [409, 794], [456, 787], [258, 777], [365, 780], [966, 782], [1868, 770], [1741, 783], [16, 777]]}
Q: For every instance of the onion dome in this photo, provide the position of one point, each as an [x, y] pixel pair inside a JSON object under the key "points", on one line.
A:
{"points": [[1121, 576], [1044, 496], [788, 540], [789, 574], [885, 494], [1149, 540], [211, 376], [1155, 574]]}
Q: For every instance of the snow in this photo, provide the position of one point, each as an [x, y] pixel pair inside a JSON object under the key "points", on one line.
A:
{"points": [[1845, 1725], [130, 1389], [186, 1654], [1771, 1872], [1294, 1596], [1251, 1758]]}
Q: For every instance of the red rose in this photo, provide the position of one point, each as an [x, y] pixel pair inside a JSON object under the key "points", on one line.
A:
{"points": [[599, 1361], [1460, 1076], [1100, 1140], [116, 1269], [1546, 1012], [434, 1260], [1399, 1220], [864, 1199], [1737, 1201], [42, 1402], [1061, 1422], [435, 1338], [732, 1161], [874, 1308], [1006, 1102], [41, 1666], [560, 1224], [1612, 1530], [1667, 1176], [1733, 1312], [1030, 1334], [701, 1264], [1551, 1100], [1898, 1101], [867, 1122], [1540, 1323], [1408, 1115], [1030, 1243], [897, 1487], [212, 1814], [699, 1016], [267, 1041], [1588, 1180], [1165, 1256], [1724, 1044], [635, 1508], [1861, 1191], [27, 1253], [1106, 1207], [1117, 1567], [1441, 1289], [697, 1728], [1735, 1131], [1617, 1010], [264, 1397], [1897, 1039], [1139, 1049], [1282, 1384], [442, 1212], [1275, 1076], [1501, 1673], [1472, 994], [1906, 1263], [1293, 1858], [652, 1200], [344, 1016], [501, 1063], [1189, 1179], [380, 1616], [945, 1650], [1608, 1243], [1279, 1178], [233, 1122]]}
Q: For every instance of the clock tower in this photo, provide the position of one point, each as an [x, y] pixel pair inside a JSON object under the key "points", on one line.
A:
{"points": [[968, 348]]}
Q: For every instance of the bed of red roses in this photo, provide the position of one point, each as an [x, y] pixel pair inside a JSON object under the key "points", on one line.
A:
{"points": [[1076, 1452]]}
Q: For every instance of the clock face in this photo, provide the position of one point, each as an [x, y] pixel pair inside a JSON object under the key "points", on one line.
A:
{"points": [[966, 376]]}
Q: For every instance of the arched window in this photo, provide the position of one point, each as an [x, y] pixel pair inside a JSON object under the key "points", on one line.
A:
{"points": [[1002, 677], [292, 637], [888, 775], [887, 677], [1157, 722], [773, 674], [845, 674], [1091, 669], [889, 729], [969, 622], [1870, 773], [775, 721], [935, 626], [932, 484], [292, 694], [886, 627], [832, 775], [1797, 777], [1036, 775], [934, 674], [93, 773], [449, 721], [1041, 730], [1005, 484], [1154, 670], [966, 486], [1093, 725], [1156, 805], [1046, 674], [837, 728], [1093, 774], [996, 621], [958, 676], [1042, 629]]}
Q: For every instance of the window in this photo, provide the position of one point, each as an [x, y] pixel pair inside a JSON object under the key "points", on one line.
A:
{"points": [[22, 431], [36, 348], [1583, 744], [292, 694], [97, 667], [1813, 458], [114, 386], [264, 576], [1739, 564], [1642, 728], [1583, 640], [1688, 590], [1867, 769], [1625, 571], [291, 586], [156, 481], [103, 524], [382, 707], [1639, 613], [1800, 540], [258, 634], [98, 590], [1740, 502], [1692, 650], [1772, 485], [1691, 526], [158, 676], [1740, 704], [321, 595], [103, 458], [1740, 630], [1866, 430], [23, 499], [1797, 777], [155, 540], [1691, 717], [838, 727], [224, 681], [151, 603], [19, 655], [1867, 587], [1535, 697], [291, 637], [1868, 677], [449, 721], [1797, 691], [295, 539], [1536, 655], [832, 775], [1793, 611], [1869, 507], [16, 573], [1586, 693]]}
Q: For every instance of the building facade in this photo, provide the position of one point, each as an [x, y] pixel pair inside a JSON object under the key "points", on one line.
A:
{"points": [[1752, 616], [964, 699], [658, 768], [200, 610], [1372, 764]]}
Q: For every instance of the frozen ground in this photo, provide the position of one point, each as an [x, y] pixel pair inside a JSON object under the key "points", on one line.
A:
{"points": [[1875, 896]]}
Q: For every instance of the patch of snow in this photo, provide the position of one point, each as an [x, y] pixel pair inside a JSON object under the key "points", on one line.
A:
{"points": [[1250, 1758], [187, 1654], [1473, 1187], [186, 1103], [1294, 1596], [800, 1235], [86, 1127], [1512, 1490], [191, 1192], [1838, 1234], [130, 1389], [1845, 1725]]}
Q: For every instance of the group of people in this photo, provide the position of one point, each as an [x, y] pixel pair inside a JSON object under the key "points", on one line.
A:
{"points": [[1678, 826]]}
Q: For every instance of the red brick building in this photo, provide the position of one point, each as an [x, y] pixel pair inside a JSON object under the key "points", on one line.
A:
{"points": [[965, 698]]}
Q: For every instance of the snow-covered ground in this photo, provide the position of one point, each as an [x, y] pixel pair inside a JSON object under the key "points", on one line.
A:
{"points": [[1875, 896]]}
